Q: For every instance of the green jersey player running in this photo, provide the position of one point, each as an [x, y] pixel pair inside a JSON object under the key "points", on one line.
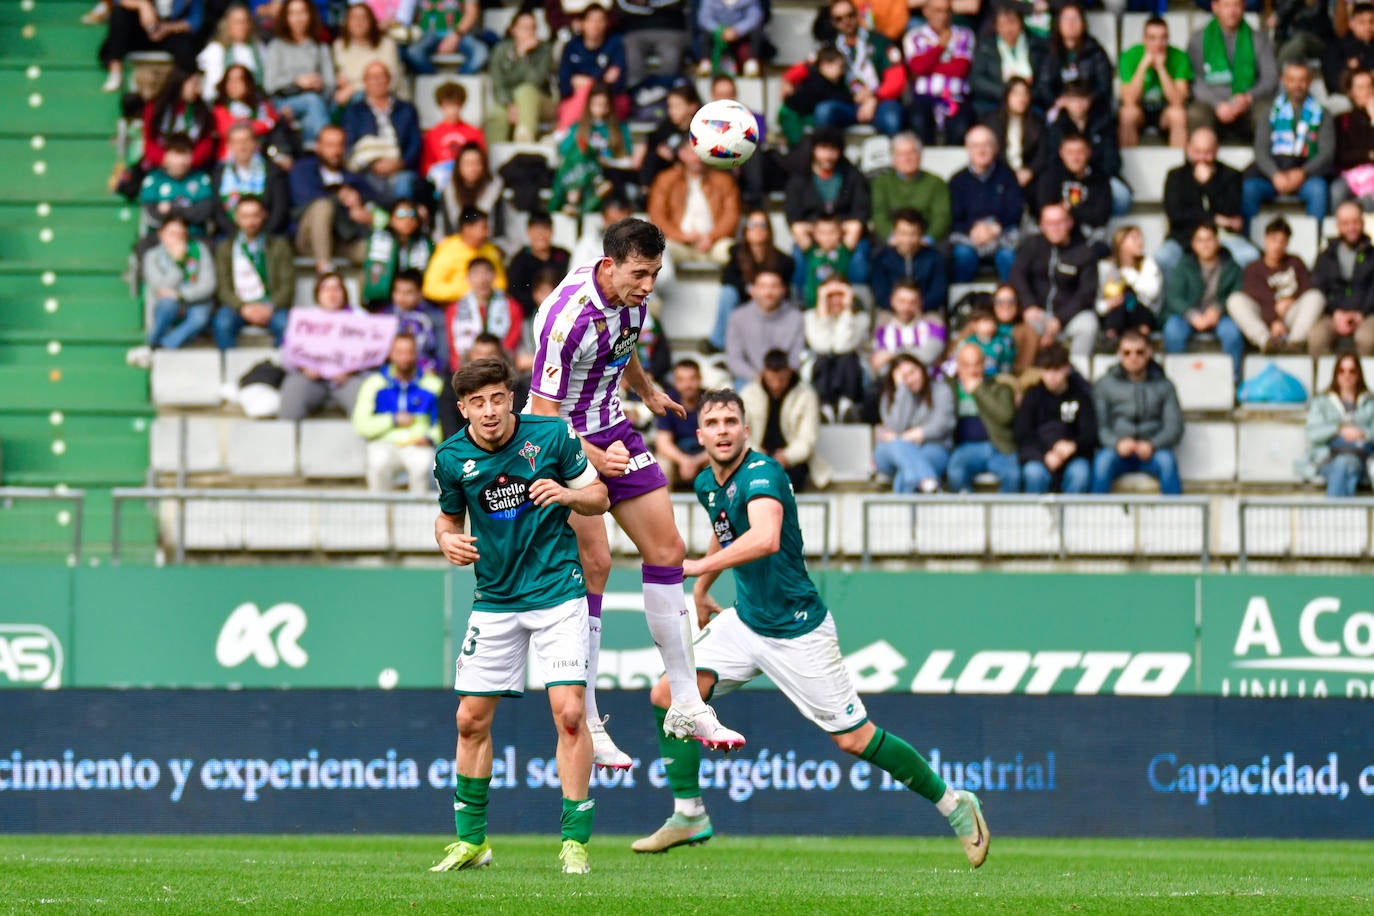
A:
{"points": [[778, 627], [516, 479]]}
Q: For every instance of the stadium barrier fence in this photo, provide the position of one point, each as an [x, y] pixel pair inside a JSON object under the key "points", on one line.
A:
{"points": [[1288, 528], [42, 524]]}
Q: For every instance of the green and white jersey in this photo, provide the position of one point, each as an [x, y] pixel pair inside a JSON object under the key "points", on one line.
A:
{"points": [[774, 596], [528, 555]]}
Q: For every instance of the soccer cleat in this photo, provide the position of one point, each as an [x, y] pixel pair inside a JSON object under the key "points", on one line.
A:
{"points": [[969, 826], [463, 854], [604, 751], [574, 856], [678, 830], [702, 725]]}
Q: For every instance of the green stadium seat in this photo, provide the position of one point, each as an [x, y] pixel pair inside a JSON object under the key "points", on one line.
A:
{"points": [[52, 43], [75, 390], [77, 460]]}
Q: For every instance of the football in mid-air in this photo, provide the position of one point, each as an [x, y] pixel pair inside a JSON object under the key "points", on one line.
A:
{"points": [[724, 134]]}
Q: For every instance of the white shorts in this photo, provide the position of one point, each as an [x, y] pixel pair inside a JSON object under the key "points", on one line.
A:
{"points": [[495, 646], [808, 669]]}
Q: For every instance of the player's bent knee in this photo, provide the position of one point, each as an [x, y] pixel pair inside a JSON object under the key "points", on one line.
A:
{"points": [[851, 742]]}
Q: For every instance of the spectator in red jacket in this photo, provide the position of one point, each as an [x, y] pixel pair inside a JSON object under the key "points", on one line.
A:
{"points": [[939, 57], [485, 309], [445, 140], [874, 68], [237, 99], [179, 109]]}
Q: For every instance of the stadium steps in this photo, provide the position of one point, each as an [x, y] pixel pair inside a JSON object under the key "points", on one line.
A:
{"points": [[53, 169], [54, 42]]}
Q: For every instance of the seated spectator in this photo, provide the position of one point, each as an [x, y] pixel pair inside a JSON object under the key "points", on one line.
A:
{"points": [[397, 246], [300, 70], [873, 71], [1295, 146], [659, 151], [360, 44], [698, 209], [1075, 56], [985, 209], [589, 243], [906, 186], [593, 55], [831, 186], [1156, 79], [1344, 273], [397, 412], [1352, 52], [445, 141], [1004, 53], [907, 330], [1129, 286], [1079, 115], [179, 110], [1070, 181], [178, 190], [765, 323], [985, 331], [446, 277], [1055, 427], [520, 68], [907, 257], [939, 59], [594, 157], [245, 171], [470, 184], [169, 26], [835, 331], [1302, 29], [655, 30], [1235, 73], [1020, 131], [257, 279], [1195, 297], [913, 437], [540, 254], [784, 411], [1203, 190], [235, 43], [180, 272], [1011, 323], [754, 251], [679, 453], [447, 27], [819, 91], [420, 320], [329, 202], [1055, 275], [826, 259], [1139, 422], [484, 347], [305, 392], [238, 101], [383, 136], [1340, 431], [1276, 305], [1355, 142], [484, 309], [732, 29], [983, 411]]}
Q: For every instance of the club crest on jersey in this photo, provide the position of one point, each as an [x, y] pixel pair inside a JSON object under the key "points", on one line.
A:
{"points": [[528, 451], [731, 490], [600, 325]]}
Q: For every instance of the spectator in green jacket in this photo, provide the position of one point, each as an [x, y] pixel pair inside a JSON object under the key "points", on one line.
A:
{"points": [[520, 68], [1196, 293], [983, 412], [906, 186], [257, 277]]}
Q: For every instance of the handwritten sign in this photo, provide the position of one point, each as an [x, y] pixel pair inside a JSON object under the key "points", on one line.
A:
{"points": [[335, 343]]}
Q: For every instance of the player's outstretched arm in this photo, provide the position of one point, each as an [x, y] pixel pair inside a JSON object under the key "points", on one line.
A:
{"points": [[653, 396], [763, 539], [460, 549], [612, 462], [590, 499]]}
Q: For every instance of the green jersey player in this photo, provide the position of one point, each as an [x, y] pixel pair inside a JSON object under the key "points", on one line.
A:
{"points": [[778, 627], [516, 479]]}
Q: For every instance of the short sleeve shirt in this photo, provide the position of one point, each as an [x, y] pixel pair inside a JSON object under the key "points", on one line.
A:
{"points": [[1176, 63]]}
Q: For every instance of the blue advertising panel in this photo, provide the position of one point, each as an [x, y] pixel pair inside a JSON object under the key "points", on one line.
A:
{"points": [[377, 761]]}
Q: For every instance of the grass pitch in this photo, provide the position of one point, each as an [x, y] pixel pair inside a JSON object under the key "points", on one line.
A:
{"points": [[802, 875]]}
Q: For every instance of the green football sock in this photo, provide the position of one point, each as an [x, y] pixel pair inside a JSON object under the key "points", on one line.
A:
{"points": [[470, 807], [888, 752], [577, 819], [681, 761]]}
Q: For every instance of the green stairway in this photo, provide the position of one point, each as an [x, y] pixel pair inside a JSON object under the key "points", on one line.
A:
{"points": [[72, 414]]}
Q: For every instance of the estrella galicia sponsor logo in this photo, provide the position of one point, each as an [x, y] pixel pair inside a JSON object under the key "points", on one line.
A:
{"points": [[1308, 654], [270, 637], [721, 525], [30, 655], [624, 346], [506, 497]]}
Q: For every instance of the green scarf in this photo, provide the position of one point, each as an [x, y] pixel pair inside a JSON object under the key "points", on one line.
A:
{"points": [[1239, 72], [190, 264]]}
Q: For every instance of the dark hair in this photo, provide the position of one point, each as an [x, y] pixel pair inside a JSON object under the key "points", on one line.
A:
{"points": [[633, 238], [324, 278], [450, 91], [1079, 88], [981, 313], [616, 200], [481, 262], [720, 397], [255, 97], [888, 386], [1204, 224], [906, 283], [409, 275], [1154, 20], [829, 55], [688, 364], [524, 10], [1133, 334], [1279, 224], [1010, 8], [403, 335], [832, 137], [1360, 386], [909, 215], [768, 269], [776, 360], [374, 28], [490, 340], [1073, 136], [827, 218], [250, 199], [1056, 37], [550, 275], [539, 218], [743, 255], [1053, 356], [583, 130], [283, 31], [174, 218], [178, 143], [687, 91], [471, 216], [460, 195], [160, 124], [480, 373]]}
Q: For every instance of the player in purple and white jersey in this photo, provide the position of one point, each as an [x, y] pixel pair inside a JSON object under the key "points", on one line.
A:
{"points": [[586, 332]]}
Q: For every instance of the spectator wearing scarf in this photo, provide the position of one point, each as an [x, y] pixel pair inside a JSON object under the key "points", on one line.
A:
{"points": [[181, 278], [398, 246], [1235, 69], [246, 172], [1295, 148], [257, 280]]}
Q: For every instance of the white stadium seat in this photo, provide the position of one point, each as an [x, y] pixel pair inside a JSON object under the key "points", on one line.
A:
{"points": [[332, 450], [1268, 450], [350, 527], [943, 161], [1207, 452], [186, 378], [204, 452], [1144, 168], [262, 448], [689, 307], [790, 32], [1133, 28], [280, 526], [474, 109], [848, 449], [1205, 381]]}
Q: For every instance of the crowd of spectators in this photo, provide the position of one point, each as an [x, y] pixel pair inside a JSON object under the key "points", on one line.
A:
{"points": [[287, 130]]}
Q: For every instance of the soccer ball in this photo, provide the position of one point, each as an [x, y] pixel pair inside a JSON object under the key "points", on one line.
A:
{"points": [[724, 134]]}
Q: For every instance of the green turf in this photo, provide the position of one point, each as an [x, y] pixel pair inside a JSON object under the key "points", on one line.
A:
{"points": [[767, 875]]}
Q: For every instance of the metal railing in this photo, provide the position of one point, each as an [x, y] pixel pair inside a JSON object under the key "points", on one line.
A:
{"points": [[1290, 528], [30, 531], [1035, 527]]}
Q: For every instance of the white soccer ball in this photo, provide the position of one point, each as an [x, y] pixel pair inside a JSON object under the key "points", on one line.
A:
{"points": [[724, 134]]}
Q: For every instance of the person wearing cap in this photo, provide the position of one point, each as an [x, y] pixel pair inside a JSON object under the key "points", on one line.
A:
{"points": [[446, 277]]}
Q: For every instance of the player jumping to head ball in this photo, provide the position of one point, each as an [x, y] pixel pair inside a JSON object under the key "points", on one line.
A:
{"points": [[586, 332], [778, 627], [516, 479]]}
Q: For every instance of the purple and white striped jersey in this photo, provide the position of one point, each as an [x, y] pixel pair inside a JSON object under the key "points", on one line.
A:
{"points": [[583, 347]]}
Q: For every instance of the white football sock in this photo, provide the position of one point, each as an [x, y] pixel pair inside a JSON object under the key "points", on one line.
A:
{"points": [[665, 610]]}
